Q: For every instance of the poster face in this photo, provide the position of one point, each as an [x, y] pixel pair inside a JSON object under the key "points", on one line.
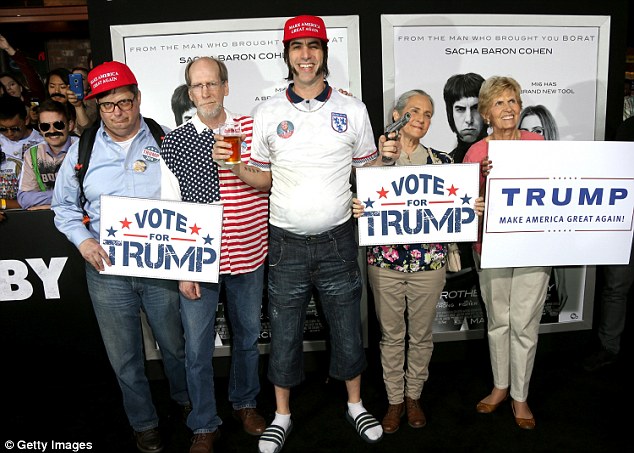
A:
{"points": [[418, 204], [562, 202], [252, 50], [161, 239]]}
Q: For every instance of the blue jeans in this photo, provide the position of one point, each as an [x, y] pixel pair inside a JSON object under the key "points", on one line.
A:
{"points": [[298, 264], [244, 304], [199, 317], [117, 302]]}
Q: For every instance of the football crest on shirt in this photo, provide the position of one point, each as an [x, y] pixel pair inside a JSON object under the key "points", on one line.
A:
{"points": [[285, 129], [339, 122]]}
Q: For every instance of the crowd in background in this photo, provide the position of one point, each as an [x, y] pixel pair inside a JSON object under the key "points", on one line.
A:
{"points": [[40, 118]]}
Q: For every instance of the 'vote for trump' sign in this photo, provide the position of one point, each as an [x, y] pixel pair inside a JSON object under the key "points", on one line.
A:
{"points": [[161, 239], [418, 204]]}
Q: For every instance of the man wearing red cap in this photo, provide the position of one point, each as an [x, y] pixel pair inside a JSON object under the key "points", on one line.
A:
{"points": [[123, 163], [305, 142]]}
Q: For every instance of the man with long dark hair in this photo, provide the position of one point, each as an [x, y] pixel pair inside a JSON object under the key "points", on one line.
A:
{"points": [[306, 163], [461, 101]]}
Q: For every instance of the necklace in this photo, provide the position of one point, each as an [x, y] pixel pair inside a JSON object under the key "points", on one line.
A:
{"points": [[304, 100], [309, 111]]}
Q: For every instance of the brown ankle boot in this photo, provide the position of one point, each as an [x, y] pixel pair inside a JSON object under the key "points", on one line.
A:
{"points": [[392, 419], [415, 415]]}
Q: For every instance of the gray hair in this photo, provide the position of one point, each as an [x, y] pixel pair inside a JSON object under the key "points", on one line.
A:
{"points": [[222, 69], [404, 98]]}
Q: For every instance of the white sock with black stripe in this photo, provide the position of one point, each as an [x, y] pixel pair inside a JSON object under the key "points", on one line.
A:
{"points": [[354, 409], [272, 440]]}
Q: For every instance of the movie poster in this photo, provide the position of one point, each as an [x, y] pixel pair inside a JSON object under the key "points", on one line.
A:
{"points": [[252, 50], [560, 63]]}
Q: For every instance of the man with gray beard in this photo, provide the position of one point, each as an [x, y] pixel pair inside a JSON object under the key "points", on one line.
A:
{"points": [[244, 246]]}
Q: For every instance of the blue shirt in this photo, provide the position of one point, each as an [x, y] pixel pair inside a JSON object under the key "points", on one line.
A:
{"points": [[112, 171]]}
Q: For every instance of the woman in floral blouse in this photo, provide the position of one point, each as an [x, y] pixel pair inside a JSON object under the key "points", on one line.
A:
{"points": [[406, 282]]}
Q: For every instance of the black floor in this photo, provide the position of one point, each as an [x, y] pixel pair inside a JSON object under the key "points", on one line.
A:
{"points": [[56, 397], [575, 411]]}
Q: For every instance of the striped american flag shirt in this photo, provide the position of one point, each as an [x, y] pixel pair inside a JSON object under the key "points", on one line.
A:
{"points": [[186, 151], [245, 216]]}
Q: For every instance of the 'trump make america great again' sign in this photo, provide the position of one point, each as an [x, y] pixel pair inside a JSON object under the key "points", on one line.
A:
{"points": [[418, 204], [161, 239], [558, 203]]}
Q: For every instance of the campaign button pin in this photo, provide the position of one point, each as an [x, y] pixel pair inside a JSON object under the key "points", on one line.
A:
{"points": [[151, 154], [139, 166]]}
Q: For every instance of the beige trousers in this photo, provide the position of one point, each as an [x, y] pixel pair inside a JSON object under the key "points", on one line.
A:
{"points": [[514, 301], [405, 306]]}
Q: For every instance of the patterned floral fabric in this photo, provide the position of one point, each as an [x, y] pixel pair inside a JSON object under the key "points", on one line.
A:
{"points": [[408, 257]]}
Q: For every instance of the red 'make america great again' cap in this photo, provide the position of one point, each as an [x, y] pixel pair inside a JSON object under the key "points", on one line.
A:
{"points": [[304, 27], [108, 76]]}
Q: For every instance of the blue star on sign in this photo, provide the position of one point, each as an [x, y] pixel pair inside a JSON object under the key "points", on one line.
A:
{"points": [[208, 239], [369, 203], [466, 199], [111, 231]]}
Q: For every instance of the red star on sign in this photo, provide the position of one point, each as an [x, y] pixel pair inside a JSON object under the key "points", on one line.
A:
{"points": [[452, 190], [382, 193], [125, 223], [195, 229]]}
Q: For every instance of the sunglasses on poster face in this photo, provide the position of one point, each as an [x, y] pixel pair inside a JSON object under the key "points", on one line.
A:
{"points": [[59, 125], [4, 130]]}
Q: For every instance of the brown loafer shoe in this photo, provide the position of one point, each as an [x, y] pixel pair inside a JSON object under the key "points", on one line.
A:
{"points": [[204, 442], [415, 415], [486, 408], [252, 422], [392, 419], [149, 441], [524, 423]]}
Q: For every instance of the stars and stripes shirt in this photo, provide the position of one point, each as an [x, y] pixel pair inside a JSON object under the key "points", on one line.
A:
{"points": [[186, 152]]}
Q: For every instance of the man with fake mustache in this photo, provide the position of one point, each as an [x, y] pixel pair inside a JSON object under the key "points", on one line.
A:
{"points": [[58, 89], [57, 84], [42, 162]]}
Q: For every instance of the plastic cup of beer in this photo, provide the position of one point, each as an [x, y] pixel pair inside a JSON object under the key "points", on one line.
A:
{"points": [[233, 135]]}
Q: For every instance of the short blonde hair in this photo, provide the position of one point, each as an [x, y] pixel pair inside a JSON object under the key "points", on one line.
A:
{"points": [[492, 88]]}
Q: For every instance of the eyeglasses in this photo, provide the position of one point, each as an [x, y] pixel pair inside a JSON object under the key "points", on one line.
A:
{"points": [[210, 85], [124, 105], [59, 125], [4, 130]]}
